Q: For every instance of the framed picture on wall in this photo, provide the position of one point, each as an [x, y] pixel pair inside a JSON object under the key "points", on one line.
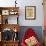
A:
{"points": [[5, 12], [30, 12]]}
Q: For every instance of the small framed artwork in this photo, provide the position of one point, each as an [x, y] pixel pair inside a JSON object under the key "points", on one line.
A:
{"points": [[30, 12], [13, 12], [5, 12]]}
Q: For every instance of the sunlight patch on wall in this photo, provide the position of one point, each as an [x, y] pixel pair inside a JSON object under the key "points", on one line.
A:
{"points": [[6, 0], [7, 3]]}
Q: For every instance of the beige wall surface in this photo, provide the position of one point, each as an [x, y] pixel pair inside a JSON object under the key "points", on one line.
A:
{"points": [[21, 4]]}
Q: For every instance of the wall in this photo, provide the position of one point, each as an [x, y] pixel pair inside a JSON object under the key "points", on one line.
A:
{"points": [[37, 24], [22, 4], [39, 13]]}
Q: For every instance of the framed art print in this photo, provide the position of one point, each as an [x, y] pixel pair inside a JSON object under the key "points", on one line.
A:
{"points": [[30, 12], [5, 12]]}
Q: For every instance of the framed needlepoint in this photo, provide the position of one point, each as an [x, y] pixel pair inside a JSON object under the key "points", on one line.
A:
{"points": [[5, 12], [30, 12]]}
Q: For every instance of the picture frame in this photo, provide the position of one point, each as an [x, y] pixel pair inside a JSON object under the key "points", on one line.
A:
{"points": [[5, 12], [13, 12], [30, 12]]}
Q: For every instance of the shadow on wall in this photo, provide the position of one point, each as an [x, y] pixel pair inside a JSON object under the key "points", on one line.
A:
{"points": [[37, 29]]}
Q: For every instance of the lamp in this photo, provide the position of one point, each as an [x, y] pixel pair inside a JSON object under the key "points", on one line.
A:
{"points": [[15, 3]]}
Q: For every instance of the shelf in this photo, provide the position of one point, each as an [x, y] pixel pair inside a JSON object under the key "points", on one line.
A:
{"points": [[5, 12], [10, 26], [10, 41], [9, 20], [9, 11]]}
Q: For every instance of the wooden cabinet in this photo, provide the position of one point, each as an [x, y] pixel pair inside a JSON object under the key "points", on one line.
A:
{"points": [[10, 43], [6, 28]]}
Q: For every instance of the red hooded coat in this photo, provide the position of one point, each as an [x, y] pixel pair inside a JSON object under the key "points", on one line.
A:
{"points": [[29, 33]]}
